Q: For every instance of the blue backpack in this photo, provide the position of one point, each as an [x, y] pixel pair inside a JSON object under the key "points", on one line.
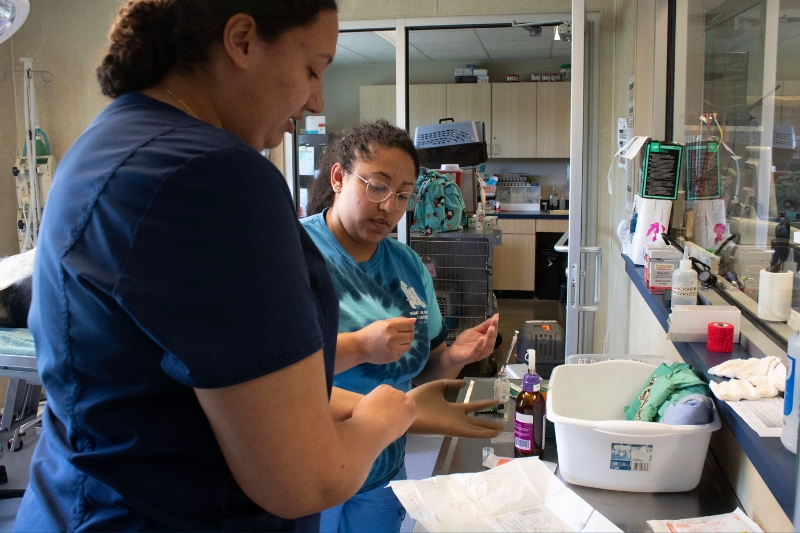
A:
{"points": [[441, 205]]}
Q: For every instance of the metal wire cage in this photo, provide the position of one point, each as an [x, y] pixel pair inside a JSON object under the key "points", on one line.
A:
{"points": [[462, 277]]}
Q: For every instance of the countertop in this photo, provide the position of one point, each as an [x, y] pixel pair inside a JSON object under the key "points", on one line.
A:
{"points": [[774, 463], [627, 510], [529, 214]]}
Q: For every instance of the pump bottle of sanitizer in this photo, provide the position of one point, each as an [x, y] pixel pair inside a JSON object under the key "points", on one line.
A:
{"points": [[684, 284]]}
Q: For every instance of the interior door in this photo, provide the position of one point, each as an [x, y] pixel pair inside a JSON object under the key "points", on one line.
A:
{"points": [[583, 260]]}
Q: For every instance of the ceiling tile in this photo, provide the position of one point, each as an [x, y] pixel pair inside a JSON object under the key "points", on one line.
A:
{"points": [[345, 55], [442, 36], [533, 44], [489, 35], [503, 55], [435, 48], [365, 40]]}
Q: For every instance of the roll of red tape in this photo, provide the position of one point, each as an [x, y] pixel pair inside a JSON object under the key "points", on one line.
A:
{"points": [[720, 337]]}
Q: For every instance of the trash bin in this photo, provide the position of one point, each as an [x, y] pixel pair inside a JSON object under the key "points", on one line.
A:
{"points": [[549, 267]]}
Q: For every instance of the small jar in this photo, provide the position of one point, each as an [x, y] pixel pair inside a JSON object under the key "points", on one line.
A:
{"points": [[512, 77]]}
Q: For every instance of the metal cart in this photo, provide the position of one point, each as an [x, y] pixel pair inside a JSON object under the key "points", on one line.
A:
{"points": [[462, 274]]}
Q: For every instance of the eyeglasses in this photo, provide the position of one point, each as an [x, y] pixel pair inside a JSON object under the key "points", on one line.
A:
{"points": [[377, 192]]}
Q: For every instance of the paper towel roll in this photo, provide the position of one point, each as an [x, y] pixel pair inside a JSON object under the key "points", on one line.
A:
{"points": [[710, 226], [652, 221], [775, 295]]}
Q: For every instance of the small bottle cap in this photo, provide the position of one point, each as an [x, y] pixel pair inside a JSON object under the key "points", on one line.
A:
{"points": [[531, 361], [686, 264]]}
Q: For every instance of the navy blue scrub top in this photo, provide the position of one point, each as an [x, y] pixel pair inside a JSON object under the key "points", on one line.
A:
{"points": [[170, 258]]}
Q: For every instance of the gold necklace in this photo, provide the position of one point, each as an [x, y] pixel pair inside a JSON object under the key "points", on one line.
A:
{"points": [[189, 110]]}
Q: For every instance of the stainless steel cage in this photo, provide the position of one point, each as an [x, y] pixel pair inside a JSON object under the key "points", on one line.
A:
{"points": [[462, 263]]}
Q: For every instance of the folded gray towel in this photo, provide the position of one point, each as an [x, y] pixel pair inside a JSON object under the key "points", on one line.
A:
{"points": [[693, 409]]}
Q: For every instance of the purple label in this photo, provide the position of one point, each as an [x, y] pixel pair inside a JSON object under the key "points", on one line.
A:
{"points": [[523, 432]]}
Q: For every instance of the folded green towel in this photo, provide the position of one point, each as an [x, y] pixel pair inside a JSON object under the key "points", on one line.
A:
{"points": [[16, 341], [665, 386]]}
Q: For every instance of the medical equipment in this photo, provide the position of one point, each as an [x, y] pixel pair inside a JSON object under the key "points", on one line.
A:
{"points": [[33, 173], [18, 364], [12, 15]]}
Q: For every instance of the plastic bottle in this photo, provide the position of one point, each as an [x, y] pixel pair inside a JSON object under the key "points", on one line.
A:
{"points": [[529, 415], [479, 216], [684, 284], [502, 387], [553, 199], [790, 396]]}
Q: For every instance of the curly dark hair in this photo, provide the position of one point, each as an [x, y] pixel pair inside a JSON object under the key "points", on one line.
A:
{"points": [[359, 143], [150, 37]]}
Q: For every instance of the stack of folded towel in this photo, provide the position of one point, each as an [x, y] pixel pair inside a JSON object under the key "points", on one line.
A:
{"points": [[751, 379]]}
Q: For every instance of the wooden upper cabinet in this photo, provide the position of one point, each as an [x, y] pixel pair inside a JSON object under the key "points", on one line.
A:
{"points": [[471, 101], [514, 116], [378, 101], [426, 105], [553, 120]]}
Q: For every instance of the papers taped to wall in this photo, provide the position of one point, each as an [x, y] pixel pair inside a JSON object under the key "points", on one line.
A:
{"points": [[522, 495]]}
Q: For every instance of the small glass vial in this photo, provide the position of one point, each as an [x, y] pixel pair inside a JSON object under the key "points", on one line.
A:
{"points": [[502, 387]]}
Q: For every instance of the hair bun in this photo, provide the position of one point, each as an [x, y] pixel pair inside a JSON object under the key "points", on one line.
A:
{"points": [[142, 47]]}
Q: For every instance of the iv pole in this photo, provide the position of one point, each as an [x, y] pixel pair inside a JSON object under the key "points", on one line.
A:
{"points": [[33, 215]]}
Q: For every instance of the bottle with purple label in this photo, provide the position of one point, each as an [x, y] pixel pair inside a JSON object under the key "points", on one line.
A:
{"points": [[529, 415]]}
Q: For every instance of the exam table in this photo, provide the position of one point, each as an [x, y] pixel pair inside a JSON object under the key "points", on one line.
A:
{"points": [[627, 510]]}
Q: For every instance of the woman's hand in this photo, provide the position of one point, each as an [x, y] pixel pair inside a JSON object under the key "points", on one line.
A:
{"points": [[437, 416], [387, 406], [474, 344], [385, 341]]}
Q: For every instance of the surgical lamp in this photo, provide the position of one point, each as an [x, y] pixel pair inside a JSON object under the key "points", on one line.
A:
{"points": [[12, 14]]}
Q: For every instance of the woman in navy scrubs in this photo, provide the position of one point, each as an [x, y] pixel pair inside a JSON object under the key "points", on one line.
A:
{"points": [[188, 364]]}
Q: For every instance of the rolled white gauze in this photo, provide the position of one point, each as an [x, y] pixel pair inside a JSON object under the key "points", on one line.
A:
{"points": [[775, 295]]}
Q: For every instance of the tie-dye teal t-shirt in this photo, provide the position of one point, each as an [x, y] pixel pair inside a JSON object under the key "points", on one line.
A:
{"points": [[392, 283]]}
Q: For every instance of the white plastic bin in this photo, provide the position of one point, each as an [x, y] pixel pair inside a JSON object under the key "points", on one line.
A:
{"points": [[598, 448]]}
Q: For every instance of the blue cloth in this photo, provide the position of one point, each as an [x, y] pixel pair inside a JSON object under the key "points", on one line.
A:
{"points": [[16, 341], [169, 259], [393, 282], [694, 409], [374, 511]]}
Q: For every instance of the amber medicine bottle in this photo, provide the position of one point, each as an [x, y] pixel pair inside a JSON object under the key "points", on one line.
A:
{"points": [[529, 415]]}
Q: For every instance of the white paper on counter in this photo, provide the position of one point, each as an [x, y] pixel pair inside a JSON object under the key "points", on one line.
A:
{"points": [[735, 521], [522, 495], [764, 416], [493, 461]]}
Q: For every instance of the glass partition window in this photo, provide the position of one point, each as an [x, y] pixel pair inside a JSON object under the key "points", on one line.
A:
{"points": [[740, 198], [359, 86]]}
